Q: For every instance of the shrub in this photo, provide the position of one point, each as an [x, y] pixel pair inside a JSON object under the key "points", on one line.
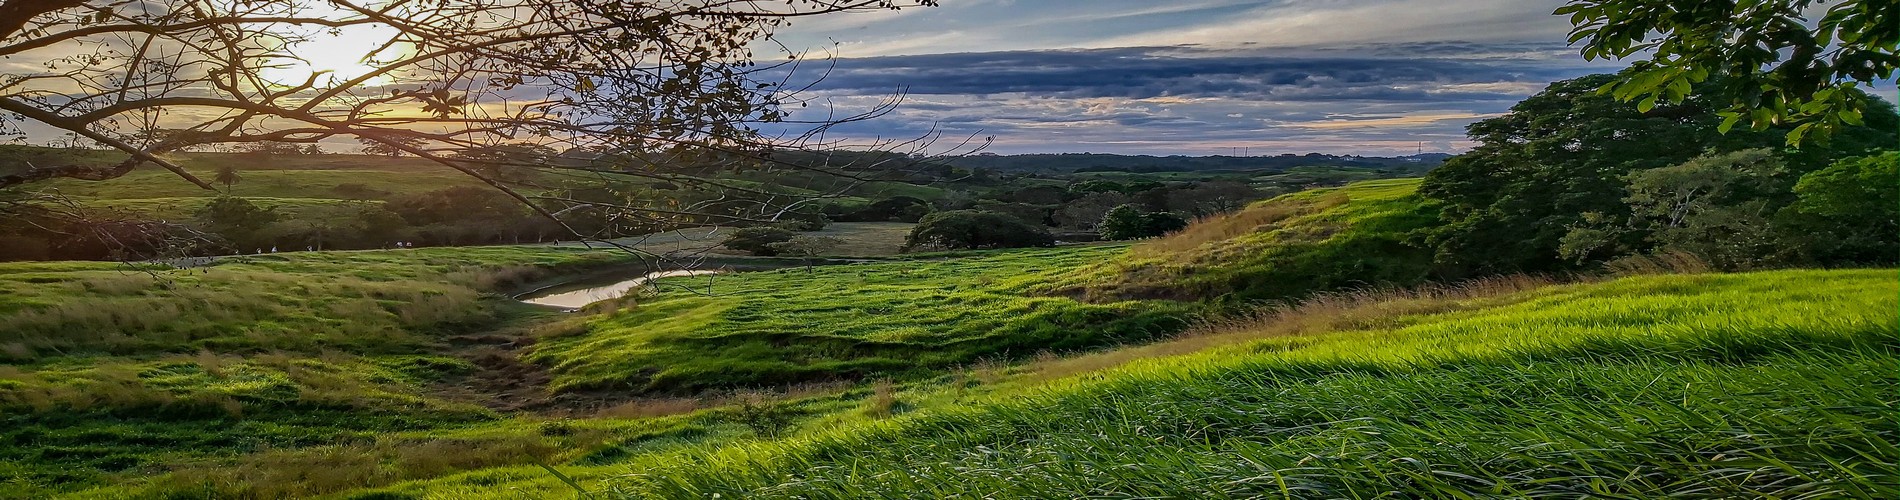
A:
{"points": [[758, 240], [766, 418], [803, 221], [959, 229], [893, 209], [1129, 222]]}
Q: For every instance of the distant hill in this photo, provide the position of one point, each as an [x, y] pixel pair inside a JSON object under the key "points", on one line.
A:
{"points": [[1093, 162]]}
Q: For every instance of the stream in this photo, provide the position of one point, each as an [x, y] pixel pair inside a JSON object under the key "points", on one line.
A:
{"points": [[568, 297]]}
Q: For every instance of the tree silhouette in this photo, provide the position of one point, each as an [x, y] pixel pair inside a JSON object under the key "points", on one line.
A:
{"points": [[228, 175], [626, 90]]}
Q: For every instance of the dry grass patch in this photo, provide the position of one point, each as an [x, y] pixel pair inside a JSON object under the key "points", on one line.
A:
{"points": [[1221, 228]]}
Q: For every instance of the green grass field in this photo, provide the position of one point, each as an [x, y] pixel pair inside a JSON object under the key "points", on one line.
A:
{"points": [[855, 239], [845, 322], [1763, 384], [1061, 372], [1356, 236]]}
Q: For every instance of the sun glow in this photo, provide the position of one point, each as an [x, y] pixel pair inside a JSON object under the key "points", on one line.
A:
{"points": [[332, 57]]}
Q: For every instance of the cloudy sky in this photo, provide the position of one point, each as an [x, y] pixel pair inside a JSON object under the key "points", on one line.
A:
{"points": [[1191, 77]]}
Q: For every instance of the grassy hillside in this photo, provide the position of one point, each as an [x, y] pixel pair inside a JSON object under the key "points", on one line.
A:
{"points": [[797, 325], [1762, 384], [115, 372], [303, 302], [1355, 236], [1005, 374]]}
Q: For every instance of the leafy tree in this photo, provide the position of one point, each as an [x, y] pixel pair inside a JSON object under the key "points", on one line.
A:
{"points": [[1850, 211], [393, 144], [1121, 223], [1129, 222], [237, 220], [893, 209], [228, 175], [758, 240], [1716, 207], [1211, 198], [1767, 62], [271, 148], [1508, 203], [807, 247], [377, 226], [464, 214], [804, 220], [959, 229], [1032, 214], [1086, 212], [1038, 195], [1096, 186], [1162, 223], [456, 204]]}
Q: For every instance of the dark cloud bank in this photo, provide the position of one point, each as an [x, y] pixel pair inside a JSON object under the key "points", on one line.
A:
{"points": [[1190, 99]]}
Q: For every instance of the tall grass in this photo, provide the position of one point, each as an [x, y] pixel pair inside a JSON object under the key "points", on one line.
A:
{"points": [[1357, 236], [350, 301], [1220, 229], [850, 322], [1765, 384]]}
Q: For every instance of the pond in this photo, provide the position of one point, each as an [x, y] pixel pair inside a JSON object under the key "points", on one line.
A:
{"points": [[567, 296]]}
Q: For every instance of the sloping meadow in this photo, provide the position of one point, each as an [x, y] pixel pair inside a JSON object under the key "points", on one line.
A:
{"points": [[798, 325], [1762, 384], [114, 372], [1357, 236]]}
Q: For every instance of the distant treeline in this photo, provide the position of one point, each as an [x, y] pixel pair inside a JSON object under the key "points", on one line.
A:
{"points": [[1097, 162]]}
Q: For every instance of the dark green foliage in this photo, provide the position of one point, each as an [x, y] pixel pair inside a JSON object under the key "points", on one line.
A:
{"points": [[1128, 222], [456, 204], [1770, 62], [804, 221], [758, 240], [227, 175], [893, 209], [464, 215], [236, 219], [1028, 213], [1565, 152], [766, 419], [1714, 207], [1850, 212], [975, 229]]}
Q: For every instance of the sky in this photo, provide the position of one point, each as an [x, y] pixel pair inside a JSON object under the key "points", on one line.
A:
{"points": [[1192, 77]]}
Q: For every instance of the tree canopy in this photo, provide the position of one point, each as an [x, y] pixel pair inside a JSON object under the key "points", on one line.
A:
{"points": [[1769, 63], [965, 229], [1557, 156]]}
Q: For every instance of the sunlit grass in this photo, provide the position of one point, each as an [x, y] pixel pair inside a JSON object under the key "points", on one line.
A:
{"points": [[1725, 385], [845, 322], [306, 302], [1356, 236]]}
